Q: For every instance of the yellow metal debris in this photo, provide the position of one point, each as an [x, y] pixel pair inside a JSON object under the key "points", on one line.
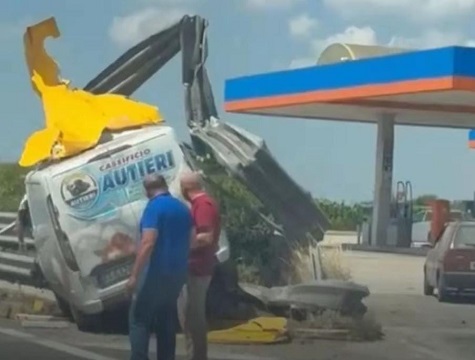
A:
{"points": [[262, 330], [74, 119], [38, 306], [37, 59]]}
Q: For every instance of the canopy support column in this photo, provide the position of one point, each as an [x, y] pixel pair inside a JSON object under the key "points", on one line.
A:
{"points": [[383, 180]]}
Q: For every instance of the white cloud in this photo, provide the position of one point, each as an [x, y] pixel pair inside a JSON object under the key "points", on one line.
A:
{"points": [[266, 4], [129, 30], [351, 35], [302, 62], [302, 25], [414, 10], [430, 38]]}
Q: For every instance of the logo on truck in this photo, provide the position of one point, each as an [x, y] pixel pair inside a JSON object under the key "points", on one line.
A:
{"points": [[79, 190], [136, 171]]}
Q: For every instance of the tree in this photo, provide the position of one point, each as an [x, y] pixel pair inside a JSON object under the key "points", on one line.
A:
{"points": [[424, 200], [341, 215]]}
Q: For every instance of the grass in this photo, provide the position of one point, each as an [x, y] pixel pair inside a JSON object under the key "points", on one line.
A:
{"points": [[248, 274], [301, 265], [331, 258]]}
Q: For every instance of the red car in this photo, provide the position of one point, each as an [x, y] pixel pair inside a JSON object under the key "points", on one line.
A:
{"points": [[450, 264]]}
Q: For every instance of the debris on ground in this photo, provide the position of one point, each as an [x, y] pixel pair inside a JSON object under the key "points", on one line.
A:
{"points": [[317, 296], [42, 321], [45, 324], [320, 303], [15, 301], [321, 334], [262, 330], [330, 325]]}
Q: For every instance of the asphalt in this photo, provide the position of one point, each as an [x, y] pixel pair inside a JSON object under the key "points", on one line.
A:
{"points": [[70, 344], [14, 348], [416, 327], [19, 345]]}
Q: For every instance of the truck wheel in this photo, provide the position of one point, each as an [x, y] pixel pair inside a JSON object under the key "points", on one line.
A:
{"points": [[442, 294], [64, 307], [428, 290], [87, 322]]}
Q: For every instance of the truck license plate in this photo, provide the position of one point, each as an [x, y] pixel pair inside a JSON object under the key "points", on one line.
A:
{"points": [[115, 274], [472, 266]]}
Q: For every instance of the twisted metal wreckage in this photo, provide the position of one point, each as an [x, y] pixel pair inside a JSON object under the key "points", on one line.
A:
{"points": [[295, 216]]}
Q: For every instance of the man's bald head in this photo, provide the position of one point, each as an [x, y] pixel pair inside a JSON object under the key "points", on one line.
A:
{"points": [[191, 180], [191, 183], [154, 184]]}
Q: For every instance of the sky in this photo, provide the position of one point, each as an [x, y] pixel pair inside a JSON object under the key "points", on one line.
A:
{"points": [[330, 159]]}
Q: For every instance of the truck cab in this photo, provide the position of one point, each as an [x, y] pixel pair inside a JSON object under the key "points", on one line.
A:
{"points": [[85, 214]]}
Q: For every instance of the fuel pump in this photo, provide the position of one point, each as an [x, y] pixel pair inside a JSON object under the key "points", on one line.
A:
{"points": [[400, 224], [403, 214]]}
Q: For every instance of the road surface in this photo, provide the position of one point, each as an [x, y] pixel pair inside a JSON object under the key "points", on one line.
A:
{"points": [[415, 326]]}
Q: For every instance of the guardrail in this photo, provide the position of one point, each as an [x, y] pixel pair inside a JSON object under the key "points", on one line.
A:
{"points": [[14, 266], [8, 236], [17, 268]]}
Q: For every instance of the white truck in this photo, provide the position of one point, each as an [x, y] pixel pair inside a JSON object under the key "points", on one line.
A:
{"points": [[85, 210], [85, 214]]}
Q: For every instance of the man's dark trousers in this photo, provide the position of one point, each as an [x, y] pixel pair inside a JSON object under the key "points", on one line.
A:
{"points": [[154, 309]]}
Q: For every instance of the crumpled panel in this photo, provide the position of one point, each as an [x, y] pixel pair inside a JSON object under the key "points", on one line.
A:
{"points": [[74, 119], [37, 59]]}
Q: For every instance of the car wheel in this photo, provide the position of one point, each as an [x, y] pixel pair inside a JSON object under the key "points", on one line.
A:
{"points": [[442, 294], [428, 290]]}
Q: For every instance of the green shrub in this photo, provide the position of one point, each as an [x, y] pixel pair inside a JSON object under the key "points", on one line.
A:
{"points": [[250, 237], [341, 215], [12, 186]]}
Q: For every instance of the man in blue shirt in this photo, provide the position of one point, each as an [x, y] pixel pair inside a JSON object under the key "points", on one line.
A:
{"points": [[159, 271]]}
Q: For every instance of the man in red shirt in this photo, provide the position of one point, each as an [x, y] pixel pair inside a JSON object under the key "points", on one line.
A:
{"points": [[202, 260]]}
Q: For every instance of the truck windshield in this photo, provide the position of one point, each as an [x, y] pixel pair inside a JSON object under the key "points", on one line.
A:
{"points": [[465, 237]]}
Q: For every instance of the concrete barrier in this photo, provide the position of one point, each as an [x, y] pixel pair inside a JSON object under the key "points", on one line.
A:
{"points": [[348, 240], [335, 237], [389, 250]]}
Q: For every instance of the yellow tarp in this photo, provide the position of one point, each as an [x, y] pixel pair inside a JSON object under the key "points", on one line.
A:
{"points": [[262, 330], [74, 119]]}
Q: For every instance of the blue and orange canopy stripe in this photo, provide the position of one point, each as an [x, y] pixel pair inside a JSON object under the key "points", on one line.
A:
{"points": [[361, 82], [471, 139]]}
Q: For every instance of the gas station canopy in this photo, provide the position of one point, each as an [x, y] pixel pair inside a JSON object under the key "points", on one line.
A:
{"points": [[373, 84], [427, 88]]}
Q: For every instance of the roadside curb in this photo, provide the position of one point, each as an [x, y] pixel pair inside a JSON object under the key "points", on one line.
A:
{"points": [[420, 252]]}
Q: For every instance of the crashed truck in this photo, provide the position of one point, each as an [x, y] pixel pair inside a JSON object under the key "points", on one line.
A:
{"points": [[84, 205]]}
